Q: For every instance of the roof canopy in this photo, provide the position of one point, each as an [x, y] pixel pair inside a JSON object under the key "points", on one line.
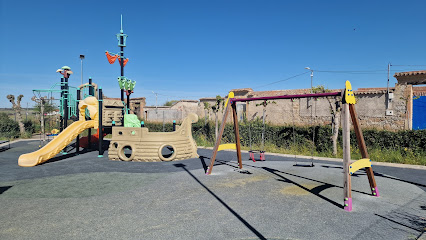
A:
{"points": [[412, 77]]}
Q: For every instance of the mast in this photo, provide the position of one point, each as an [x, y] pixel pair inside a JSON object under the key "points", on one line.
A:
{"points": [[121, 43]]}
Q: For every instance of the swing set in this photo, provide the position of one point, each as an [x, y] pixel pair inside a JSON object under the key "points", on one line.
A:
{"points": [[348, 110], [262, 145]]}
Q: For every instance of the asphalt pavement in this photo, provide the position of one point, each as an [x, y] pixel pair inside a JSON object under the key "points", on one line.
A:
{"points": [[89, 197]]}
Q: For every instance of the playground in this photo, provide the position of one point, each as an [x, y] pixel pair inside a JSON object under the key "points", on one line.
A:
{"points": [[87, 197], [141, 184]]}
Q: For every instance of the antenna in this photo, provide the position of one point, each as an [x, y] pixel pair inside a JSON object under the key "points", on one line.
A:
{"points": [[121, 17]]}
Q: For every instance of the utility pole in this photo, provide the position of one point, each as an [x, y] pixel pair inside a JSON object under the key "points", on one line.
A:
{"points": [[387, 89], [26, 113], [310, 123], [155, 101], [312, 76]]}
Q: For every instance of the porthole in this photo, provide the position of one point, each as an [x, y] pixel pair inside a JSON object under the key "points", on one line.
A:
{"points": [[126, 152], [167, 152]]}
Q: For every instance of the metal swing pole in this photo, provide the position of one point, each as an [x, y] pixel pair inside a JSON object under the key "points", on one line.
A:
{"points": [[313, 136], [250, 135], [294, 133], [262, 151], [251, 153], [263, 130]]}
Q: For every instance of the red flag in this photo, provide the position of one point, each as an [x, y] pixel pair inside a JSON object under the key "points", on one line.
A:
{"points": [[111, 59], [125, 61]]}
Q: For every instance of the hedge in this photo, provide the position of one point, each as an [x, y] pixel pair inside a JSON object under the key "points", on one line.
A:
{"points": [[282, 136], [10, 128]]}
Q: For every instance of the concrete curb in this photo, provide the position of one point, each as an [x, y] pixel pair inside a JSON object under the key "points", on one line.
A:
{"points": [[21, 140], [386, 164], [15, 141]]}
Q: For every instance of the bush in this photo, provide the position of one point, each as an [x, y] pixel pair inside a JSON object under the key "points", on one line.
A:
{"points": [[8, 127], [408, 146], [29, 126]]}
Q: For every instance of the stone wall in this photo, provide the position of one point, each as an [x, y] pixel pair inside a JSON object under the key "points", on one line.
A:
{"points": [[371, 108], [137, 105], [177, 111], [372, 112], [160, 114]]}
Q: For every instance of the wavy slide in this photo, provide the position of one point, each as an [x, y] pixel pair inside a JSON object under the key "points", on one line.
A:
{"points": [[56, 145]]}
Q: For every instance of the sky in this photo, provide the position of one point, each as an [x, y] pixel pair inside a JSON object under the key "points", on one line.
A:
{"points": [[183, 49]]}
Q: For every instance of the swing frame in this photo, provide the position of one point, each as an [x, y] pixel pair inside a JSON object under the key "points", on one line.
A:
{"points": [[348, 109], [232, 104]]}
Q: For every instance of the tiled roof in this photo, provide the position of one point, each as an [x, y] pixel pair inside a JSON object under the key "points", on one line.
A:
{"points": [[411, 73], [242, 90], [362, 91], [278, 92], [131, 99], [419, 91], [187, 100], [208, 99]]}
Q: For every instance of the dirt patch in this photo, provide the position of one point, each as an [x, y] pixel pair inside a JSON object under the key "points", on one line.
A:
{"points": [[298, 191], [243, 181]]}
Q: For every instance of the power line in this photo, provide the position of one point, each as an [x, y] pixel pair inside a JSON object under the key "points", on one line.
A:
{"points": [[409, 65], [165, 95], [400, 70], [323, 71], [356, 71], [283, 79]]}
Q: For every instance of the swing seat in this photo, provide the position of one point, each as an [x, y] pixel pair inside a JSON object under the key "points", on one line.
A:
{"points": [[261, 153]]}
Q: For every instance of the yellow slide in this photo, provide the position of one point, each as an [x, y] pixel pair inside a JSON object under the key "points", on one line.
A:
{"points": [[56, 145]]}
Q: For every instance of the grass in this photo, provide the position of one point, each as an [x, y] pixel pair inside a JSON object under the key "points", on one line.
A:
{"points": [[406, 156]]}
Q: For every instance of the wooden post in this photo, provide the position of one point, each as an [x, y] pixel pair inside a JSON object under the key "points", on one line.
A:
{"points": [[363, 149], [237, 134], [218, 139], [346, 159]]}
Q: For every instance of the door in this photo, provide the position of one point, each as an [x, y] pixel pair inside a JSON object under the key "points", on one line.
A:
{"points": [[419, 113]]}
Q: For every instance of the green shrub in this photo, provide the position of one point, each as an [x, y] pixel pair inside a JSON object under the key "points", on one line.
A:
{"points": [[408, 146], [29, 126], [8, 127]]}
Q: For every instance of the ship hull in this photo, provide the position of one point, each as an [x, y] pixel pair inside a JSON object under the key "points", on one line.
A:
{"points": [[138, 144]]}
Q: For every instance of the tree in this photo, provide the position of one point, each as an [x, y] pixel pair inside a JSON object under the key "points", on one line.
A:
{"points": [[48, 106], [206, 108], [41, 103], [43, 106], [336, 122], [264, 104], [215, 108], [17, 107], [335, 109], [171, 102]]}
